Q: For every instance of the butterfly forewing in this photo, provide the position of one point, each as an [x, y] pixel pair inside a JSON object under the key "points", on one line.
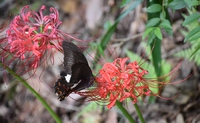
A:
{"points": [[72, 55]]}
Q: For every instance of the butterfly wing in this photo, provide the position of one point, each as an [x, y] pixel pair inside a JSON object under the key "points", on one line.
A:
{"points": [[72, 55], [81, 76]]}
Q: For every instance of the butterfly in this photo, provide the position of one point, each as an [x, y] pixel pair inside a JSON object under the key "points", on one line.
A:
{"points": [[76, 75]]}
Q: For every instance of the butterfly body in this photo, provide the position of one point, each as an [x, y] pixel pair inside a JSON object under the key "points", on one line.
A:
{"points": [[76, 75]]}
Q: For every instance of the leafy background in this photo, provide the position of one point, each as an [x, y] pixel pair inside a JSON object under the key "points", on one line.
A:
{"points": [[114, 35]]}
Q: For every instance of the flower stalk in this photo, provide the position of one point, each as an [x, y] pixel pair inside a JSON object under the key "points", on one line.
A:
{"points": [[44, 103], [139, 113], [125, 112]]}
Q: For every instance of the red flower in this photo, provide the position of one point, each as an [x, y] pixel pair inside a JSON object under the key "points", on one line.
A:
{"points": [[120, 80], [30, 35]]}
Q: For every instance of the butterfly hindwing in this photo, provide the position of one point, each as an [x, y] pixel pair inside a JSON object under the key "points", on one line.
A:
{"points": [[81, 74]]}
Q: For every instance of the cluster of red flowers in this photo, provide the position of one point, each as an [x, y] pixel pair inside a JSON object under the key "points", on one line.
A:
{"points": [[118, 81], [30, 35]]}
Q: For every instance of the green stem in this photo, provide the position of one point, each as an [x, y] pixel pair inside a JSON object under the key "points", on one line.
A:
{"points": [[125, 112], [53, 114], [156, 56], [156, 44], [139, 113]]}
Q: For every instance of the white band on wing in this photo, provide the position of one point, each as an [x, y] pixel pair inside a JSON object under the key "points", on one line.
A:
{"points": [[68, 77]]}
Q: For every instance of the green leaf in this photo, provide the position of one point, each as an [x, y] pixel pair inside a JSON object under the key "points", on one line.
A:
{"points": [[166, 68], [191, 3], [166, 24], [147, 31], [107, 25], [192, 33], [125, 2], [151, 37], [194, 37], [169, 31], [154, 8], [158, 33], [193, 17], [152, 22], [163, 15], [126, 12], [107, 36], [177, 4], [195, 51]]}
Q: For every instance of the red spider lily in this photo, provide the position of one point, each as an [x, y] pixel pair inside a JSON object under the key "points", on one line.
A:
{"points": [[120, 80], [30, 36]]}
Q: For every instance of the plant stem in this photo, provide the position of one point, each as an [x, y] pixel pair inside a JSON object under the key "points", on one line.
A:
{"points": [[53, 114], [139, 113], [125, 112]]}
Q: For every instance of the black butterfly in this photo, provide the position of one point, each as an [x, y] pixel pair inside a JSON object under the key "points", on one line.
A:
{"points": [[76, 75]]}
